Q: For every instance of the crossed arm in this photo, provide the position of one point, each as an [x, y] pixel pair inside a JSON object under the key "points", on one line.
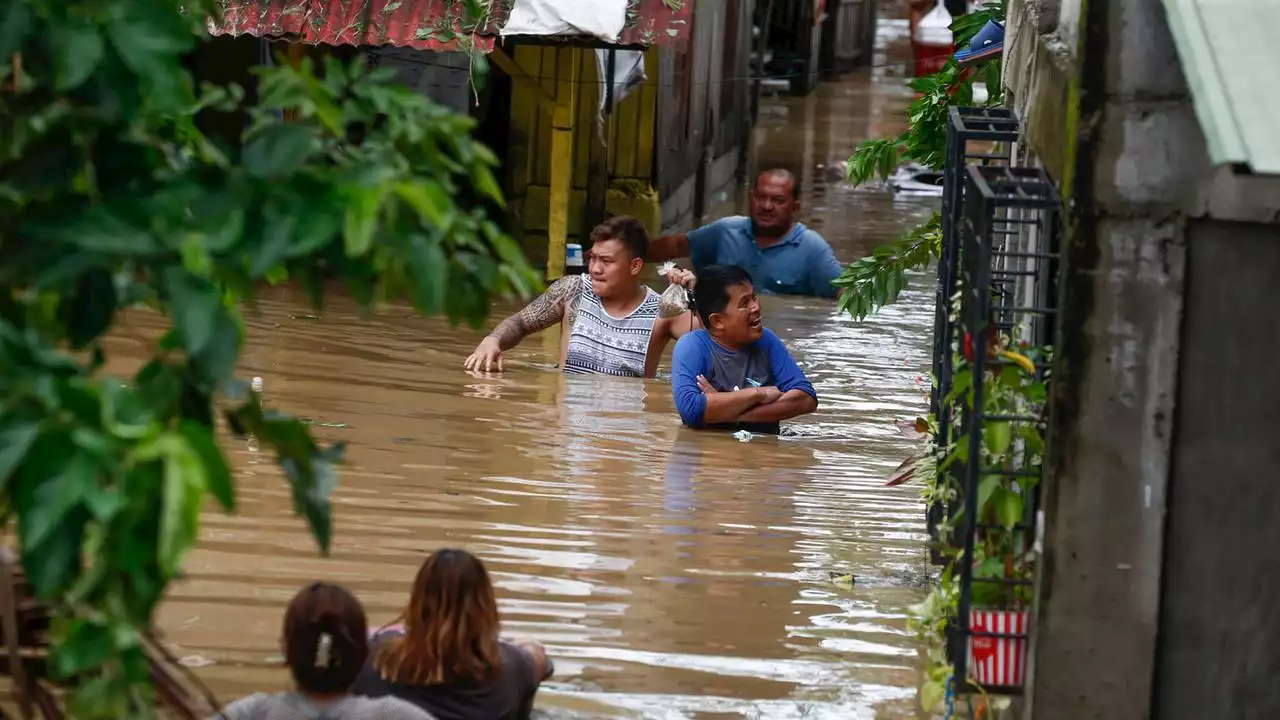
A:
{"points": [[701, 405], [760, 404]]}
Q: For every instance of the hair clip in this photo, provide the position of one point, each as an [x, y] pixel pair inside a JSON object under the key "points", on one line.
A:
{"points": [[324, 647]]}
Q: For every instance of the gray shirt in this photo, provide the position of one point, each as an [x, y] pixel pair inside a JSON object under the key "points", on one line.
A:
{"points": [[296, 706]]}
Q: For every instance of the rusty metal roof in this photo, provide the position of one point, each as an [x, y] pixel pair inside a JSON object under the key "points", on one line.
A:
{"points": [[440, 25]]}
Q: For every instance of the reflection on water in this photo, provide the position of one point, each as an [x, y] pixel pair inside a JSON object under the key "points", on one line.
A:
{"points": [[671, 573]]}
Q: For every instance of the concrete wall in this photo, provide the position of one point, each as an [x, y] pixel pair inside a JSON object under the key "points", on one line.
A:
{"points": [[1110, 118], [1217, 654]]}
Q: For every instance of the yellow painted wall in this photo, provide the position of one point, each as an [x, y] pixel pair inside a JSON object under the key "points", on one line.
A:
{"points": [[629, 134]]}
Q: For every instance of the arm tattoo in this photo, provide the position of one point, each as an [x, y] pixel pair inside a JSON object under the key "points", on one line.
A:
{"points": [[546, 310]]}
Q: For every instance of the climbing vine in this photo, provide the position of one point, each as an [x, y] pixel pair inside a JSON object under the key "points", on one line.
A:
{"points": [[110, 197]]}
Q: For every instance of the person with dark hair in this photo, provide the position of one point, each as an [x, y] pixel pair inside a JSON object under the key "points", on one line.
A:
{"points": [[609, 320], [446, 657], [326, 646], [735, 373], [784, 256]]}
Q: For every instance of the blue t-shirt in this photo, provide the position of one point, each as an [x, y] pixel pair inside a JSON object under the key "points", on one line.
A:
{"points": [[801, 263], [692, 357]]}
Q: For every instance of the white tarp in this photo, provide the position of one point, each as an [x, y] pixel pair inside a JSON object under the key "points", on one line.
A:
{"points": [[628, 74], [603, 19]]}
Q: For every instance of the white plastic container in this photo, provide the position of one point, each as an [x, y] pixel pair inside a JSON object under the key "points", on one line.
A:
{"points": [[934, 29]]}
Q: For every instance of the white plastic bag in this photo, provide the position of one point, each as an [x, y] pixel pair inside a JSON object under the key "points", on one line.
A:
{"points": [[674, 301], [934, 29], [628, 74], [599, 18]]}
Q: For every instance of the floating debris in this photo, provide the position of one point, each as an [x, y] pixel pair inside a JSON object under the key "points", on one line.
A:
{"points": [[841, 580], [322, 423], [196, 661], [916, 179], [256, 384], [743, 435]]}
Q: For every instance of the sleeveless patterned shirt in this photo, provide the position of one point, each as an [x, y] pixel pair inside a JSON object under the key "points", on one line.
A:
{"points": [[601, 343]]}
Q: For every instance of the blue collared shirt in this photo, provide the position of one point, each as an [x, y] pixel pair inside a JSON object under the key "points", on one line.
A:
{"points": [[801, 263]]}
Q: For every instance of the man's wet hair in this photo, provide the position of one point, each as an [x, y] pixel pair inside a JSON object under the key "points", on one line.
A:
{"points": [[625, 229], [781, 174], [711, 294]]}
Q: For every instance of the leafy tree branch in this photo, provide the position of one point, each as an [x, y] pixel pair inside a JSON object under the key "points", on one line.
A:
{"points": [[877, 280], [110, 196]]}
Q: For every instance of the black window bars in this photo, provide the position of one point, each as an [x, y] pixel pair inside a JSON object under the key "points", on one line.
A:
{"points": [[967, 126], [1008, 283], [995, 321]]}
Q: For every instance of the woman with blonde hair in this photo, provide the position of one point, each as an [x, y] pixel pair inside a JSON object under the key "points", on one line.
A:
{"points": [[447, 658], [326, 645]]}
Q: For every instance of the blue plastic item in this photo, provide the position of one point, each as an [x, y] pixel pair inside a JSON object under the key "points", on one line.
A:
{"points": [[988, 43]]}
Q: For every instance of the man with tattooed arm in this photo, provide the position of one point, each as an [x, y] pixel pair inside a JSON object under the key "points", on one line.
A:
{"points": [[609, 320]]}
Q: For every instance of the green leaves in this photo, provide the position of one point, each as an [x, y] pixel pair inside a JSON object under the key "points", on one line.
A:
{"points": [[86, 644], [150, 43], [111, 198], [428, 198], [310, 469], [103, 231], [183, 491], [194, 303], [77, 50], [873, 158], [1008, 507], [217, 475], [875, 281], [278, 150], [89, 311], [47, 495], [361, 220], [15, 23], [428, 270], [16, 437]]}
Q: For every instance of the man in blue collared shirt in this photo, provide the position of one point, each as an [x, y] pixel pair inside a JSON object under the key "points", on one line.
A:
{"points": [[782, 255]]}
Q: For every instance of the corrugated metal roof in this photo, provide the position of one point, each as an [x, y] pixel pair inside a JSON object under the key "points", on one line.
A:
{"points": [[421, 24], [1230, 54]]}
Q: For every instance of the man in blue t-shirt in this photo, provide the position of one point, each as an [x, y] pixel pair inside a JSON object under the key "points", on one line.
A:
{"points": [[734, 373], [783, 255]]}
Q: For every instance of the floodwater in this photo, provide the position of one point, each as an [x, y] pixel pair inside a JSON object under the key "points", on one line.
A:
{"points": [[671, 574]]}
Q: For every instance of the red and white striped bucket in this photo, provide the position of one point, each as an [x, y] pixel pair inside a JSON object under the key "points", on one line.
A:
{"points": [[998, 661]]}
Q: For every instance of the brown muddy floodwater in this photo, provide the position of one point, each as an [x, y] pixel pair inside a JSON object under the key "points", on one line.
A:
{"points": [[671, 574]]}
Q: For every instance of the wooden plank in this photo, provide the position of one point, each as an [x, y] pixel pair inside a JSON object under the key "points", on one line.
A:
{"points": [[524, 77], [646, 130], [523, 106], [540, 143], [562, 131], [624, 153]]}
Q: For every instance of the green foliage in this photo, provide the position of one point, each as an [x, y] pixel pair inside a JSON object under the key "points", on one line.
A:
{"points": [[877, 280], [924, 142], [111, 197]]}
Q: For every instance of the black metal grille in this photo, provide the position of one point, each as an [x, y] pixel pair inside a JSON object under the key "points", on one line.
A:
{"points": [[967, 126], [1007, 277]]}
